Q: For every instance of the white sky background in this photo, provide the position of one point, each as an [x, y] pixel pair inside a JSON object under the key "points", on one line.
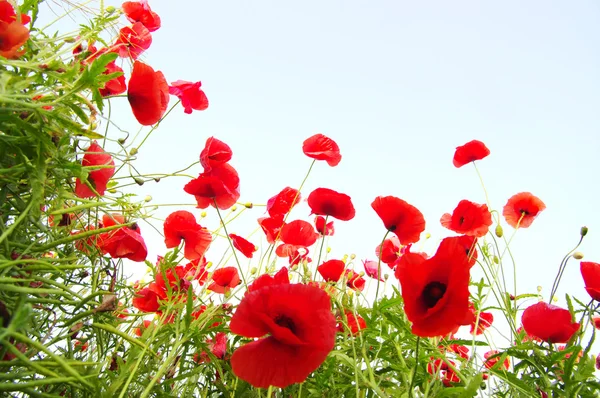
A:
{"points": [[398, 85]]}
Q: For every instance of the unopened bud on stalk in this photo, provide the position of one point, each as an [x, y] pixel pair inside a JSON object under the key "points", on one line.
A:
{"points": [[228, 294], [209, 264], [112, 190], [499, 231], [329, 250], [156, 179], [70, 40], [584, 231], [361, 273], [133, 151], [248, 205], [138, 181], [203, 214], [352, 256], [110, 9], [386, 276], [539, 289], [294, 267], [555, 299], [345, 258], [148, 198], [233, 208], [427, 235], [122, 140], [578, 255], [496, 260], [253, 271]]}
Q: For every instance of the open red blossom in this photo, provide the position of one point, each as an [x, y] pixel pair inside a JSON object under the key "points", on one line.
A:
{"points": [[325, 229], [114, 86], [217, 346], [493, 357], [281, 277], [590, 272], [372, 269], [124, 242], [485, 321], [146, 299], [271, 227], [301, 332], [299, 233], [196, 269], [436, 290], [596, 322], [182, 225], [221, 185], [521, 209], [148, 94], [190, 94], [214, 153], [139, 11], [133, 41], [549, 323], [399, 217], [332, 270], [354, 280], [327, 202], [245, 247], [8, 14], [224, 279], [176, 278], [13, 35], [470, 152], [281, 204], [469, 219], [320, 147], [355, 323], [389, 251], [103, 168]]}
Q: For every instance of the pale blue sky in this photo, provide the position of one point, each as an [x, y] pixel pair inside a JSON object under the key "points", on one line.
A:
{"points": [[398, 85]]}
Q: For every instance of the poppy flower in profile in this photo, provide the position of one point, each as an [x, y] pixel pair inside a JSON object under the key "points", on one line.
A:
{"points": [[327, 202], [190, 95], [181, 225], [521, 209], [148, 94], [590, 272], [300, 330], [140, 11], [372, 269], [214, 153], [549, 323], [389, 251], [468, 219], [470, 152], [332, 270], [13, 35], [133, 41], [146, 299], [271, 227], [596, 322], [124, 242], [281, 277], [103, 168], [224, 279], [493, 357], [436, 290], [114, 86], [354, 280], [282, 203], [245, 247], [320, 147], [220, 185], [354, 323], [485, 321], [325, 229], [399, 217]]}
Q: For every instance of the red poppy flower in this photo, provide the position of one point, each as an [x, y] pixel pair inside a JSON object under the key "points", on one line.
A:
{"points": [[436, 365], [389, 251], [144, 325], [221, 185], [596, 322], [190, 94], [354, 280], [282, 203], [301, 331], [182, 225], [468, 244], [459, 350], [469, 219], [8, 14], [245, 247], [114, 86], [133, 41], [196, 269], [332, 270], [281, 277], [399, 217], [139, 11], [485, 321], [521, 209], [224, 279], [299, 255], [372, 269], [176, 278], [470, 152], [549, 323], [125, 242], [13, 35], [98, 177], [493, 357], [299, 233], [436, 290], [271, 227], [327, 202], [215, 153], [146, 299], [322, 228], [217, 346], [148, 94], [355, 323], [591, 277], [320, 147]]}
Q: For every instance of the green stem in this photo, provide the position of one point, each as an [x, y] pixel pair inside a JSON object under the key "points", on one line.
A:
{"points": [[230, 243], [412, 379]]}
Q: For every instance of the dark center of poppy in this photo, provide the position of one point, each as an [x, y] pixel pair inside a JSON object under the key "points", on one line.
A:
{"points": [[285, 322], [524, 212], [392, 228], [432, 293], [462, 220]]}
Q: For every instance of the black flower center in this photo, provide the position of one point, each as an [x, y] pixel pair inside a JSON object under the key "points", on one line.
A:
{"points": [[432, 293], [524, 212], [285, 322], [462, 220]]}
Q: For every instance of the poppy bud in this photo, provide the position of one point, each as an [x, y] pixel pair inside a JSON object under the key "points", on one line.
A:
{"points": [[248, 205], [112, 190], [133, 151], [70, 40], [156, 179], [329, 250], [386, 276], [499, 231], [496, 260], [203, 214], [148, 198], [598, 362], [110, 9], [138, 181], [345, 258], [294, 267], [122, 140], [539, 289], [584, 231], [578, 255], [233, 208], [253, 271], [208, 264], [352, 256], [427, 235]]}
